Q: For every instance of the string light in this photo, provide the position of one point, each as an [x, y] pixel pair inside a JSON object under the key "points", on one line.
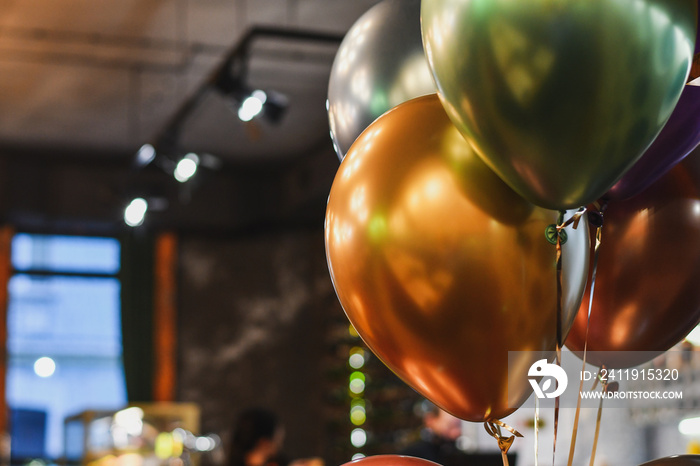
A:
{"points": [[357, 358], [357, 383], [358, 437]]}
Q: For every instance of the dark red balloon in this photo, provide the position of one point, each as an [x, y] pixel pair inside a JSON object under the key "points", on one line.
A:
{"points": [[677, 139], [646, 294]]}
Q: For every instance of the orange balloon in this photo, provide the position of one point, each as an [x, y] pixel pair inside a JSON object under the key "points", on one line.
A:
{"points": [[442, 268], [646, 296]]}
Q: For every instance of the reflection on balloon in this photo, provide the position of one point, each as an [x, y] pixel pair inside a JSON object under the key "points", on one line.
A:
{"points": [[379, 65], [646, 296], [442, 268], [559, 99], [677, 139]]}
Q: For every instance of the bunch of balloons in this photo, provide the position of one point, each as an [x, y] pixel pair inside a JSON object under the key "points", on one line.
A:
{"points": [[471, 134]]}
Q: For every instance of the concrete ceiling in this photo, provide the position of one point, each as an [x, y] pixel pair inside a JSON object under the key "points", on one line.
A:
{"points": [[103, 77]]}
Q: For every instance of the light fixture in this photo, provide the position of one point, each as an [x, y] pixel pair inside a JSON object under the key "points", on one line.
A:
{"points": [[229, 79], [249, 104], [275, 106], [145, 155], [252, 105], [135, 212], [186, 167], [245, 101]]}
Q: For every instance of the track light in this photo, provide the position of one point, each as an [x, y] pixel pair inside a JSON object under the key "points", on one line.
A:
{"points": [[186, 167], [135, 212], [145, 155], [248, 103], [252, 105], [275, 106], [268, 104]]}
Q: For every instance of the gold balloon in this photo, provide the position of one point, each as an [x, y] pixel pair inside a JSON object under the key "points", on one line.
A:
{"points": [[560, 97], [441, 268]]}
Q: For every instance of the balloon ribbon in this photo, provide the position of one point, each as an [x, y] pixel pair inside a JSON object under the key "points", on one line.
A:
{"points": [[606, 387], [561, 238], [537, 428], [595, 218], [493, 428]]}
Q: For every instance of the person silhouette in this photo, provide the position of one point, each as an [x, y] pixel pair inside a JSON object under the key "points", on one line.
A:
{"points": [[438, 435], [257, 439]]}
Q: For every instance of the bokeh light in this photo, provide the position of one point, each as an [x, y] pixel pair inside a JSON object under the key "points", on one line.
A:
{"points": [[44, 367], [358, 437]]}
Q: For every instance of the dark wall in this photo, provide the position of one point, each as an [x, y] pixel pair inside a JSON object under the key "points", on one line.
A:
{"points": [[254, 318], [259, 322]]}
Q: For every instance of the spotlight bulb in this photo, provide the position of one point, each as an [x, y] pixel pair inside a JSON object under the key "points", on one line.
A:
{"points": [[135, 212], [186, 168], [252, 105]]}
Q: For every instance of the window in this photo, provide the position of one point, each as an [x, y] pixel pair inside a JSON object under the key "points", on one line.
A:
{"points": [[64, 337]]}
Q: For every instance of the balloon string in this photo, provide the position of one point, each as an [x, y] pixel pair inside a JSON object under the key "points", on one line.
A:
{"points": [[537, 428], [493, 428], [560, 226], [504, 455], [556, 425], [598, 236], [604, 388]]}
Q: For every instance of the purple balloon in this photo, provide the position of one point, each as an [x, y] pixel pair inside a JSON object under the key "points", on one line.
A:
{"points": [[676, 140]]}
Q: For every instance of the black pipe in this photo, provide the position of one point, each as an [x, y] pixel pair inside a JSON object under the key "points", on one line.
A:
{"points": [[221, 78]]}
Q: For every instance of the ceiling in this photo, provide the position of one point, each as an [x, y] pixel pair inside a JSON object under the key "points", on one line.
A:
{"points": [[85, 83], [101, 78]]}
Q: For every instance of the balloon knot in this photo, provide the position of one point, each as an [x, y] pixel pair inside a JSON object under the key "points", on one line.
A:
{"points": [[552, 232], [493, 428]]}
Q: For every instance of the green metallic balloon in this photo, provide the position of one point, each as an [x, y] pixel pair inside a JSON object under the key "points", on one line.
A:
{"points": [[559, 97]]}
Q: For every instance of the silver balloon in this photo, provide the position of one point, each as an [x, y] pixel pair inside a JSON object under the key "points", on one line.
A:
{"points": [[379, 64]]}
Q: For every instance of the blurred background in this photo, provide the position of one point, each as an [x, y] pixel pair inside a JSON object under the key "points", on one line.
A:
{"points": [[221, 297]]}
